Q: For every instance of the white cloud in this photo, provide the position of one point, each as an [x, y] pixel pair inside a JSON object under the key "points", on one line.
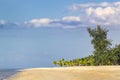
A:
{"points": [[99, 13], [71, 18], [104, 13], [65, 22], [75, 7], [39, 22]]}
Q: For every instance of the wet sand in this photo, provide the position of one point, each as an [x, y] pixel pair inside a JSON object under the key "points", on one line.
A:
{"points": [[70, 73]]}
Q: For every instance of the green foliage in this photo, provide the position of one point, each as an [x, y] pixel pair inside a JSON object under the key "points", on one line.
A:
{"points": [[102, 55], [100, 44], [115, 55]]}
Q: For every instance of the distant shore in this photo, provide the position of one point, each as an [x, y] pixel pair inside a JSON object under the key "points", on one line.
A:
{"points": [[69, 73]]}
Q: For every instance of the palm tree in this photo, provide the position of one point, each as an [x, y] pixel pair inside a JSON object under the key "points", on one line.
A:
{"points": [[55, 62], [100, 43]]}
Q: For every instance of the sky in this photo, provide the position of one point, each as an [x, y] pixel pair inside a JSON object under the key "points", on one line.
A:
{"points": [[33, 33]]}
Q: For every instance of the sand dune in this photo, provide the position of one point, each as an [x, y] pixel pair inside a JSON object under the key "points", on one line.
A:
{"points": [[70, 73]]}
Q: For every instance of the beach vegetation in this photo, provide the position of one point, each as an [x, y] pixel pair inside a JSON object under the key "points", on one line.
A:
{"points": [[103, 53]]}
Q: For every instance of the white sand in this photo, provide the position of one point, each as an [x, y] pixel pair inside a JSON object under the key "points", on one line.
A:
{"points": [[70, 73]]}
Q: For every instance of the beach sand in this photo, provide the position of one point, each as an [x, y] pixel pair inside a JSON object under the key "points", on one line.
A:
{"points": [[70, 73]]}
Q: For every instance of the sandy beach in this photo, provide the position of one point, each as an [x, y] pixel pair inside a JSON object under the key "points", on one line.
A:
{"points": [[70, 73]]}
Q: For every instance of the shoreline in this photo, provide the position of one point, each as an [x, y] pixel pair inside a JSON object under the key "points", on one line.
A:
{"points": [[69, 73]]}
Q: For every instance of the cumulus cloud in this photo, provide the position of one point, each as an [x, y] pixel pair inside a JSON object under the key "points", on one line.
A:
{"points": [[99, 13], [65, 22], [75, 7], [39, 22], [89, 14], [43, 21], [71, 18]]}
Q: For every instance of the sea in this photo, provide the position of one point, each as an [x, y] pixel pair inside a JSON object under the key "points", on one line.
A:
{"points": [[6, 73]]}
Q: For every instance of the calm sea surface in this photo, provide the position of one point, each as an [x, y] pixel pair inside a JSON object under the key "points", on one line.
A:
{"points": [[5, 73]]}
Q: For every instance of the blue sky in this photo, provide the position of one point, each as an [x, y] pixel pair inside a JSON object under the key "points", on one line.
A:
{"points": [[33, 33], [21, 10]]}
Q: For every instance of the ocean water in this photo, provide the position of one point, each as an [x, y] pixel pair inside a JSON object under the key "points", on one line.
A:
{"points": [[6, 73]]}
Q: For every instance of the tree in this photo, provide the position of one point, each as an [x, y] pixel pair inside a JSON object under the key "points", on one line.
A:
{"points": [[115, 55], [103, 54], [55, 62], [100, 43]]}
